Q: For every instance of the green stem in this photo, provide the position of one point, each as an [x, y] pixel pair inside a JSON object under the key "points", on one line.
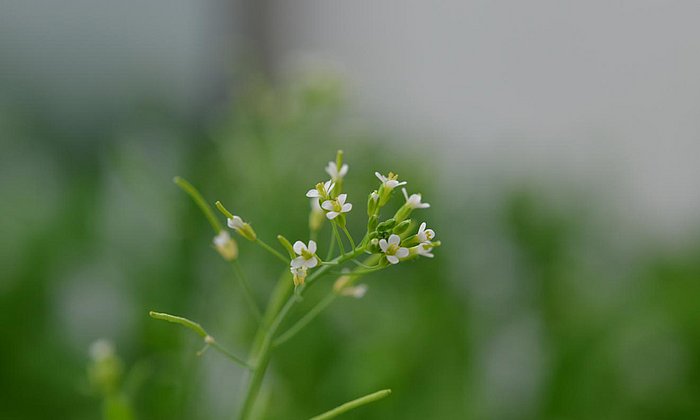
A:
{"points": [[331, 247], [201, 203], [247, 292], [345, 229], [208, 339], [272, 251], [337, 237], [305, 320], [353, 404], [260, 357]]}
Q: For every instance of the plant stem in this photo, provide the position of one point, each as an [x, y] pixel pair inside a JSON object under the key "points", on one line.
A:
{"points": [[201, 203], [305, 320], [247, 293], [331, 247], [353, 404], [272, 251], [345, 229], [273, 318], [337, 237]]}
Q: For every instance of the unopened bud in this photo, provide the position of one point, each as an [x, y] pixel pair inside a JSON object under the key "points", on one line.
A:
{"points": [[402, 227], [226, 246]]}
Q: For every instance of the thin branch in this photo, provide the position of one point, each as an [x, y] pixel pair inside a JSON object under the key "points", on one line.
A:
{"points": [[247, 292], [201, 203], [305, 320], [353, 404], [272, 251]]}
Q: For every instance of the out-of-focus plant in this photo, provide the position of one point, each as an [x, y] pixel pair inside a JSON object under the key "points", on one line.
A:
{"points": [[385, 243], [105, 374]]}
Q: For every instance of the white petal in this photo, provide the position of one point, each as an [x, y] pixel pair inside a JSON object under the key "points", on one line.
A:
{"points": [[312, 193], [342, 198], [299, 247], [346, 207], [380, 176], [391, 183], [430, 234], [422, 227], [392, 259], [297, 262], [332, 215], [311, 263], [343, 170], [312, 247], [394, 239], [332, 170], [383, 245], [402, 252], [405, 194], [424, 205], [328, 205]]}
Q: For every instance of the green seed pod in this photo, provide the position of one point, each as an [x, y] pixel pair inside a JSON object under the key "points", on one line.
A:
{"points": [[386, 225]]}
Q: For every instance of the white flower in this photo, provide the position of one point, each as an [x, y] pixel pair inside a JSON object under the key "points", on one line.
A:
{"points": [[392, 249], [424, 249], [390, 182], [414, 201], [236, 223], [299, 274], [226, 246], [336, 175], [337, 206], [425, 235], [321, 190], [306, 255]]}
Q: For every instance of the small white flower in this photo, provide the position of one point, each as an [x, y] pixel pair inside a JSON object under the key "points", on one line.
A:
{"points": [[425, 235], [306, 255], [392, 249], [424, 249], [299, 274], [390, 182], [236, 223], [337, 206], [356, 291], [321, 190], [226, 246], [414, 201], [332, 170]]}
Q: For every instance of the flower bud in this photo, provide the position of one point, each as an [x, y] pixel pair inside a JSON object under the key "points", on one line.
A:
{"points": [[373, 203], [226, 246], [244, 229], [386, 225], [287, 245], [402, 227], [373, 246]]}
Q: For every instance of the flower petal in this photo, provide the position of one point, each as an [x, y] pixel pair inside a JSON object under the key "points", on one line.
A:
{"points": [[313, 262], [383, 245], [299, 247], [332, 215], [346, 207], [297, 262], [402, 252], [312, 247], [343, 170], [380, 176], [327, 205], [424, 205], [430, 234], [392, 259], [342, 198], [394, 239], [312, 193], [422, 227], [405, 194]]}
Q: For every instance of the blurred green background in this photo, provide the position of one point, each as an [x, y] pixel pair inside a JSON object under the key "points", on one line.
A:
{"points": [[539, 304]]}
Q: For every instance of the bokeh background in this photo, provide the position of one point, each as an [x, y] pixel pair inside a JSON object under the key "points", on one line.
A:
{"points": [[558, 143]]}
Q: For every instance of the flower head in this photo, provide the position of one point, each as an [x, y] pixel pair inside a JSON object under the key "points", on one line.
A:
{"points": [[335, 173], [424, 249], [306, 255], [414, 201], [322, 190], [392, 249], [336, 207], [425, 235]]}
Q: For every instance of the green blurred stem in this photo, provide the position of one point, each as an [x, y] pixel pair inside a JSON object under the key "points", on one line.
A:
{"points": [[271, 250], [341, 409], [337, 238], [247, 293], [201, 203], [331, 247], [208, 339], [260, 357], [352, 243], [305, 320]]}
